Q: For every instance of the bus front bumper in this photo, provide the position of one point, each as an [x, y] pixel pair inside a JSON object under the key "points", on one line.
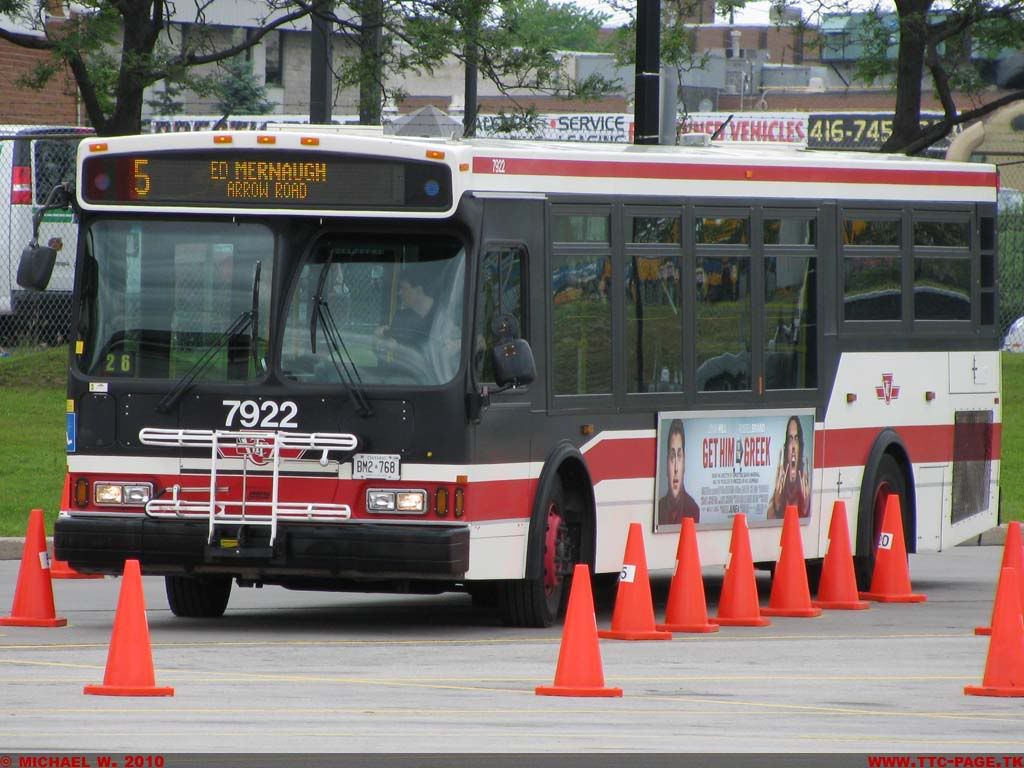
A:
{"points": [[355, 550]]}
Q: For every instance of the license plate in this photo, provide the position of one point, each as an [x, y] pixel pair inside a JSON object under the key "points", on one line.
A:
{"points": [[376, 466]]}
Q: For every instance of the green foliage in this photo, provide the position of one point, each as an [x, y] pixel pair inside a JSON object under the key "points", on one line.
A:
{"points": [[239, 92], [166, 101], [563, 26]]}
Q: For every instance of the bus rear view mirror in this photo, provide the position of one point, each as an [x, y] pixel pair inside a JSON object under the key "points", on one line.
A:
{"points": [[513, 363], [36, 266]]}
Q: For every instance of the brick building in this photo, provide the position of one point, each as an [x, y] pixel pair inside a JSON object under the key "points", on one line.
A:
{"points": [[55, 104]]}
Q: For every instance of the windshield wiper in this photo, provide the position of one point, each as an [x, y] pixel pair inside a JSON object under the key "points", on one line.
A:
{"points": [[341, 358], [246, 320]]}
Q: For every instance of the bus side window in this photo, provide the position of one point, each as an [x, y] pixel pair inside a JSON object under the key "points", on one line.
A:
{"points": [[500, 293]]}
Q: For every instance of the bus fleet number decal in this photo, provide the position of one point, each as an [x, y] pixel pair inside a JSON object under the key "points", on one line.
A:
{"points": [[266, 414]]}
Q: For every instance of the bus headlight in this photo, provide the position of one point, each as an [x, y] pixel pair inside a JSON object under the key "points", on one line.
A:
{"points": [[122, 494], [399, 502]]}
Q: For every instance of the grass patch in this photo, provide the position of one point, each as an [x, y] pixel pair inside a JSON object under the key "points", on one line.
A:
{"points": [[32, 458], [35, 368], [1011, 473]]}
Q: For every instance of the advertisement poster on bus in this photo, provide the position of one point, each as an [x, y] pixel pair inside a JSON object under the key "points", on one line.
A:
{"points": [[712, 467]]}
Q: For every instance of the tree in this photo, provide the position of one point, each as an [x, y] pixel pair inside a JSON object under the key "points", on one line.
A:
{"points": [[114, 50], [951, 45], [239, 92], [506, 40]]}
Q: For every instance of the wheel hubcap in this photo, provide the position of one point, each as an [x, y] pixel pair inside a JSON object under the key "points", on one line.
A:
{"points": [[557, 555]]}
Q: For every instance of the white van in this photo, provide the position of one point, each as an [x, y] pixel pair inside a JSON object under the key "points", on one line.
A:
{"points": [[34, 159]]}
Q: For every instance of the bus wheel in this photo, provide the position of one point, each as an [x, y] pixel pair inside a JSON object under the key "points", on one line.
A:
{"points": [[888, 480], [198, 597], [537, 602]]}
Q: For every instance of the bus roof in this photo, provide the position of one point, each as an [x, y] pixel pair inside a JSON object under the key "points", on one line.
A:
{"points": [[518, 167]]}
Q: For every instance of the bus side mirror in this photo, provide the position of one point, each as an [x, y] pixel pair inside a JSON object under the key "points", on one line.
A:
{"points": [[513, 363], [36, 266]]}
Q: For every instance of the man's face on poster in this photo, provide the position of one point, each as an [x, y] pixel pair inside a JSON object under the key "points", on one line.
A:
{"points": [[675, 465], [792, 451]]}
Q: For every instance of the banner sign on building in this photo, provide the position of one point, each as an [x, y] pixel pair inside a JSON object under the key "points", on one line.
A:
{"points": [[786, 128]]}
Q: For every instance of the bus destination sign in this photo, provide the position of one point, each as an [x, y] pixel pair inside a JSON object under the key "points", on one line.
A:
{"points": [[266, 180]]}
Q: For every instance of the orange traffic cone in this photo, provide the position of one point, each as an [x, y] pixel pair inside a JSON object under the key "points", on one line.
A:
{"points": [[837, 588], [687, 609], [633, 615], [33, 596], [890, 581], [579, 670], [791, 595], [130, 659], [737, 605], [1012, 558], [1004, 665]]}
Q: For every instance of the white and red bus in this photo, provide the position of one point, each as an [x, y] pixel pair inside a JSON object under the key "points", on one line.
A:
{"points": [[351, 362]]}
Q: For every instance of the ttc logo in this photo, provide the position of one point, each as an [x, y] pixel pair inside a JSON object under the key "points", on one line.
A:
{"points": [[888, 391]]}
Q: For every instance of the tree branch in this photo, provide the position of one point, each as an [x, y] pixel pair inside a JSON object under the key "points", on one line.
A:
{"points": [[941, 129]]}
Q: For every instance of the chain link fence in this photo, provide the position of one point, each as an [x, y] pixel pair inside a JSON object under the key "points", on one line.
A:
{"points": [[33, 160]]}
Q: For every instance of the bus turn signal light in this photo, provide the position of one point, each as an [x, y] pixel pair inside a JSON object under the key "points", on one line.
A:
{"points": [[460, 502], [82, 492], [441, 501]]}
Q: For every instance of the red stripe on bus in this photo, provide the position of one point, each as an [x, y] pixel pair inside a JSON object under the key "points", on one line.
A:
{"points": [[516, 166], [930, 443], [628, 458]]}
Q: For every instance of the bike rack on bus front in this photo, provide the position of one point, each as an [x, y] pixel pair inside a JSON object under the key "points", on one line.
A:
{"points": [[245, 445]]}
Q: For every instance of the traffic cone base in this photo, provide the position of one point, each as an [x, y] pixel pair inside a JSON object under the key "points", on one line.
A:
{"points": [[883, 597], [129, 670], [33, 594], [842, 605], [633, 614], [579, 671], [27, 621], [127, 690], [799, 613], [707, 627], [650, 634], [59, 569], [552, 690], [687, 608], [738, 622]]}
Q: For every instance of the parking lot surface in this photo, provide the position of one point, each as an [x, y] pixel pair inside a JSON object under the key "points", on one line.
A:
{"points": [[307, 672]]}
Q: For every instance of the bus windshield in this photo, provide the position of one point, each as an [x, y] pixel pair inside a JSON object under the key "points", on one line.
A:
{"points": [[391, 306], [158, 294]]}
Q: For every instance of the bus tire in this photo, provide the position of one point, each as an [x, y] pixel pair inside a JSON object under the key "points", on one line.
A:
{"points": [[888, 479], [538, 601], [198, 597]]}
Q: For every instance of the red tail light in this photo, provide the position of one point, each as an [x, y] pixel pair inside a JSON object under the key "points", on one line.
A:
{"points": [[21, 186]]}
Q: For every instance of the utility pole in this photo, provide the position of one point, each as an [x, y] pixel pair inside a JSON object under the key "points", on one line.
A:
{"points": [[471, 53], [320, 75], [648, 66]]}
